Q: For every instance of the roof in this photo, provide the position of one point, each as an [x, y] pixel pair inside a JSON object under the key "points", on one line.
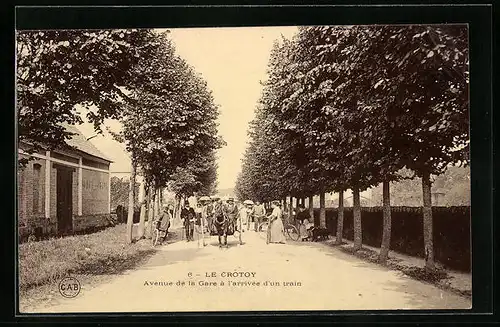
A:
{"points": [[80, 142]]}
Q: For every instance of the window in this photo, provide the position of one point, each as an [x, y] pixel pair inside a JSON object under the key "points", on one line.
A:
{"points": [[37, 170]]}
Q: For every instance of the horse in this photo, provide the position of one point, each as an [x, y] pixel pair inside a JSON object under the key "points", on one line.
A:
{"points": [[224, 225], [221, 223]]}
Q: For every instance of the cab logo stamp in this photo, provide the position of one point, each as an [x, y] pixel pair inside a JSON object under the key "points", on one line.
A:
{"points": [[69, 287]]}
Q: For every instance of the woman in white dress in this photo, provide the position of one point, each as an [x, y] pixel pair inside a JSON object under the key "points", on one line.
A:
{"points": [[276, 230]]}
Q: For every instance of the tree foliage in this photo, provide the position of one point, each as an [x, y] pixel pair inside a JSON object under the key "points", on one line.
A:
{"points": [[59, 69], [167, 112], [170, 126], [350, 106]]}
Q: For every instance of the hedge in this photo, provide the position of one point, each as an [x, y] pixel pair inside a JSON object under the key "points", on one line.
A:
{"points": [[122, 214], [451, 231]]}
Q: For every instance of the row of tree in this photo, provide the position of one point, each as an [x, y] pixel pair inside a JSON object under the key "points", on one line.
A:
{"points": [[349, 107], [168, 115]]}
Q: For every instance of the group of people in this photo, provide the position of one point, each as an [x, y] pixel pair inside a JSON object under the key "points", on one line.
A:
{"points": [[305, 225], [276, 233], [247, 217]]}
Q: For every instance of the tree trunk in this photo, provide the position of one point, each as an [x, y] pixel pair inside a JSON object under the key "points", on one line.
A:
{"points": [[176, 210], [340, 218], [152, 211], [285, 205], [161, 198], [149, 215], [157, 202], [311, 206], [130, 216], [427, 217], [322, 210], [386, 231], [146, 203], [358, 234], [142, 220]]}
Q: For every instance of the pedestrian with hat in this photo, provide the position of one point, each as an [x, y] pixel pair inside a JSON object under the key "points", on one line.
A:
{"points": [[276, 229], [248, 216], [162, 223], [244, 216], [188, 215], [259, 212], [231, 211]]}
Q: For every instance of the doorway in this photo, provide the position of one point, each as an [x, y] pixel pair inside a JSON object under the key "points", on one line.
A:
{"points": [[64, 196]]}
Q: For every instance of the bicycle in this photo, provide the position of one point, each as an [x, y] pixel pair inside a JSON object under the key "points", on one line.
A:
{"points": [[262, 227], [157, 235], [291, 231]]}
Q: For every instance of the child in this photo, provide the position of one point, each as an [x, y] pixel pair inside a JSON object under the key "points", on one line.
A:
{"points": [[309, 228]]}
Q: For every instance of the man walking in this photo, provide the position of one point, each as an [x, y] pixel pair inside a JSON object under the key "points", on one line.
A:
{"points": [[209, 211], [163, 223], [188, 215], [231, 210], [259, 212]]}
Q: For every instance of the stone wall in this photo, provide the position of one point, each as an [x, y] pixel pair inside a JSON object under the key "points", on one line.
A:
{"points": [[95, 198]]}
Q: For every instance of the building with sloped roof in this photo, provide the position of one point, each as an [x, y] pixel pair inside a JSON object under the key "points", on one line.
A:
{"points": [[64, 191]]}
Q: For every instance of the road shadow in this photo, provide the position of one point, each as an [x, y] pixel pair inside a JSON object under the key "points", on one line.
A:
{"points": [[171, 256], [231, 242], [165, 254], [448, 298], [420, 298]]}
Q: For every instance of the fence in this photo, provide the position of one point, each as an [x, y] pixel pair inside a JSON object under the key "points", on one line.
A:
{"points": [[451, 231]]}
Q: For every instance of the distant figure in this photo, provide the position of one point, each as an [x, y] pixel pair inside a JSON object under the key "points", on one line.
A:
{"points": [[198, 211], [244, 217], [171, 209], [303, 216], [259, 212], [276, 230], [208, 213], [309, 227], [231, 211], [188, 215], [120, 213], [200, 221], [163, 223]]}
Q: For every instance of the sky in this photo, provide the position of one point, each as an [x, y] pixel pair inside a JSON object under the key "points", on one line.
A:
{"points": [[232, 61]]}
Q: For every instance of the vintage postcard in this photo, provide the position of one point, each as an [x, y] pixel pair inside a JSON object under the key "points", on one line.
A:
{"points": [[243, 169]]}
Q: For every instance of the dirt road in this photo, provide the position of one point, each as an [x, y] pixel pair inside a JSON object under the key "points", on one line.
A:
{"points": [[256, 276]]}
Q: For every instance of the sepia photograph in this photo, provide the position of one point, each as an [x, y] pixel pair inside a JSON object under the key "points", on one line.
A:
{"points": [[243, 169]]}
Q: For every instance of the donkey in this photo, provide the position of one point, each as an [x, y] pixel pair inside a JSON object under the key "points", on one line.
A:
{"points": [[222, 225]]}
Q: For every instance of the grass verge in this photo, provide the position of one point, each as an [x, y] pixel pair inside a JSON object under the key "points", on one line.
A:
{"points": [[438, 277], [101, 253]]}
